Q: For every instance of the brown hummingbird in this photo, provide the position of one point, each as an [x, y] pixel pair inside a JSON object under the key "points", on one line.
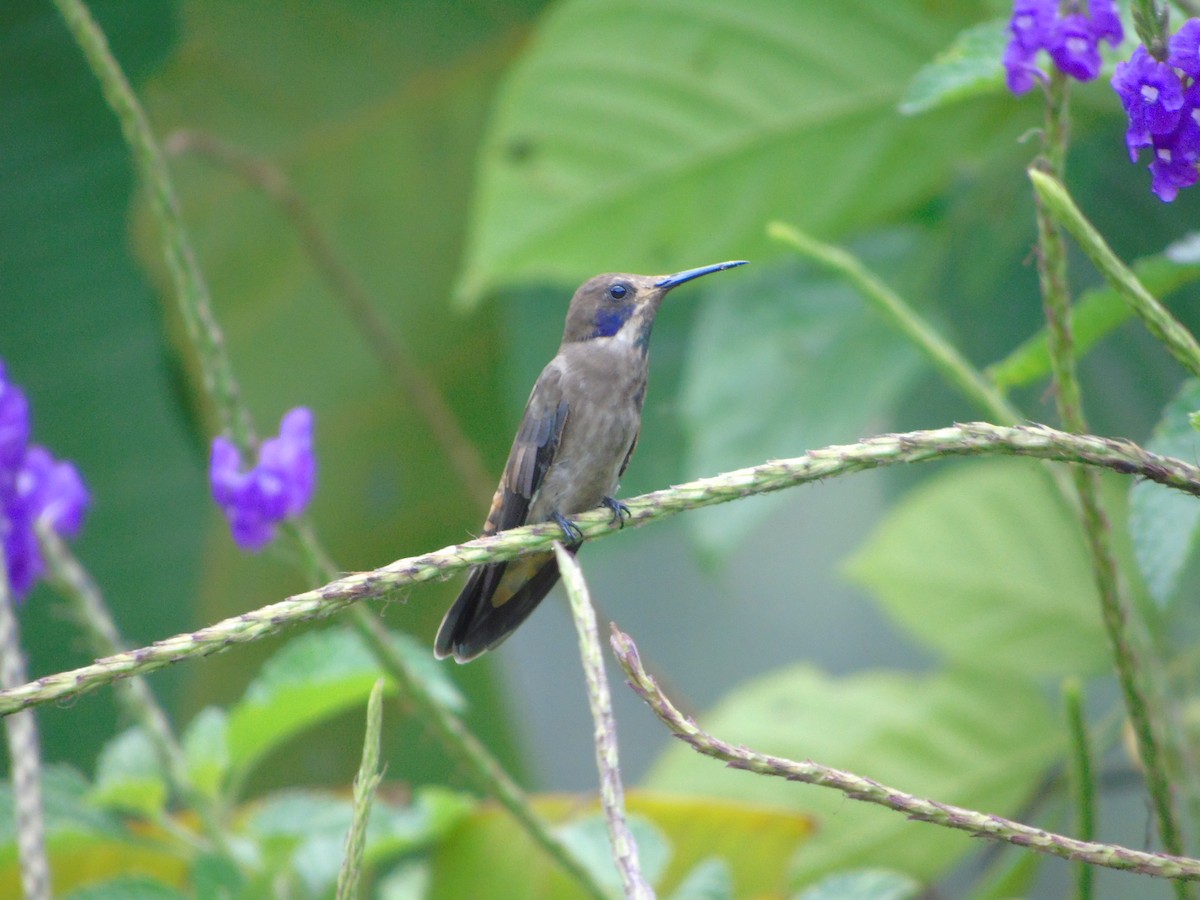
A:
{"points": [[576, 437]]}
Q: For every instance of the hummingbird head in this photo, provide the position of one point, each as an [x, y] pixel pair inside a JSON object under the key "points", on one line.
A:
{"points": [[623, 306]]}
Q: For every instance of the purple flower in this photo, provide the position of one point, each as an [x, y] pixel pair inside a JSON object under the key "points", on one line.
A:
{"points": [[34, 488], [1072, 39], [278, 486], [1074, 47], [1031, 23], [1184, 48], [1152, 96], [1176, 153]]}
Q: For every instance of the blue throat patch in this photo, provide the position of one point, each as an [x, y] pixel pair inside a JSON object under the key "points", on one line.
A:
{"points": [[609, 321]]}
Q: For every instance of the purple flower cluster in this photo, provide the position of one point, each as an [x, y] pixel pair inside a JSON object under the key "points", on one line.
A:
{"points": [[33, 487], [1162, 101], [278, 486], [1072, 39]]}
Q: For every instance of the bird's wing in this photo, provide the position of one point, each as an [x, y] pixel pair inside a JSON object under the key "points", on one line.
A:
{"points": [[532, 452], [500, 596]]}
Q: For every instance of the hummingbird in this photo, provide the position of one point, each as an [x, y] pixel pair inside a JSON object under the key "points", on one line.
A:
{"points": [[576, 437]]}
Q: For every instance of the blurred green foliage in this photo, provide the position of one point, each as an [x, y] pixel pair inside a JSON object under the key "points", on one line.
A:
{"points": [[495, 154]]}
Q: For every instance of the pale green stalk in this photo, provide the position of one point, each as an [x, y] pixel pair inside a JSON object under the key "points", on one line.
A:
{"points": [[1082, 779], [1114, 604], [365, 783], [978, 439], [857, 787], [1158, 320], [25, 755], [953, 366], [612, 794]]}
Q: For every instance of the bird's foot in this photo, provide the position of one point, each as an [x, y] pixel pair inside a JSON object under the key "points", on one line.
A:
{"points": [[571, 533], [619, 510]]}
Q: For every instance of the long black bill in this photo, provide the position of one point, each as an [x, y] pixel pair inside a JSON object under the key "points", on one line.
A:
{"points": [[671, 281]]}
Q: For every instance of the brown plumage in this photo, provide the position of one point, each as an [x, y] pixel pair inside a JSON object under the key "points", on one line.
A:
{"points": [[576, 437]]}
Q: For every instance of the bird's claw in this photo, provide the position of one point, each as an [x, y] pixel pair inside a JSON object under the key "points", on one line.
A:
{"points": [[619, 510], [571, 533]]}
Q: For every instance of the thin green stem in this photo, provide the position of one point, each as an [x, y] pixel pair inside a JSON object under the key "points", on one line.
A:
{"points": [[953, 366], [25, 756], [978, 439], [190, 287], [1083, 782], [1056, 300], [856, 787], [410, 379], [1151, 21], [87, 606], [365, 783], [1057, 203], [612, 793]]}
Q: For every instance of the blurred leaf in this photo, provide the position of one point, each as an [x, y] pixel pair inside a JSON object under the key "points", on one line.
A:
{"points": [[1162, 522], [635, 137], [980, 740], [310, 827], [314, 677], [710, 879], [868, 885], [86, 844], [587, 839], [128, 888], [969, 67], [206, 749], [1097, 313], [987, 565], [756, 843], [784, 360], [128, 775]]}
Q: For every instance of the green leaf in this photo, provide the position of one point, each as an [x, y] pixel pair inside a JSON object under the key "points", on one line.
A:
{"points": [[980, 740], [206, 750], [128, 888], [646, 137], [128, 775], [312, 678], [587, 839], [785, 359], [986, 565], [1097, 313], [710, 879], [1162, 522], [310, 827], [86, 843], [755, 842], [967, 68], [878, 884]]}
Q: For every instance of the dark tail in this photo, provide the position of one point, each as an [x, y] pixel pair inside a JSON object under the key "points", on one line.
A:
{"points": [[497, 598]]}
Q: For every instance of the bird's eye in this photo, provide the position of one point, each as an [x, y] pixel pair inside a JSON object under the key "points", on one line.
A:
{"points": [[618, 291]]}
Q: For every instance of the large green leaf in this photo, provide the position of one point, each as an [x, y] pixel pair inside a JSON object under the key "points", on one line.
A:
{"points": [[969, 67], [1162, 522], [986, 564], [783, 360], [311, 679], [646, 137], [969, 738]]}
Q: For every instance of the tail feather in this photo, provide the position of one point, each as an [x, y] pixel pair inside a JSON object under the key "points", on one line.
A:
{"points": [[497, 598]]}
